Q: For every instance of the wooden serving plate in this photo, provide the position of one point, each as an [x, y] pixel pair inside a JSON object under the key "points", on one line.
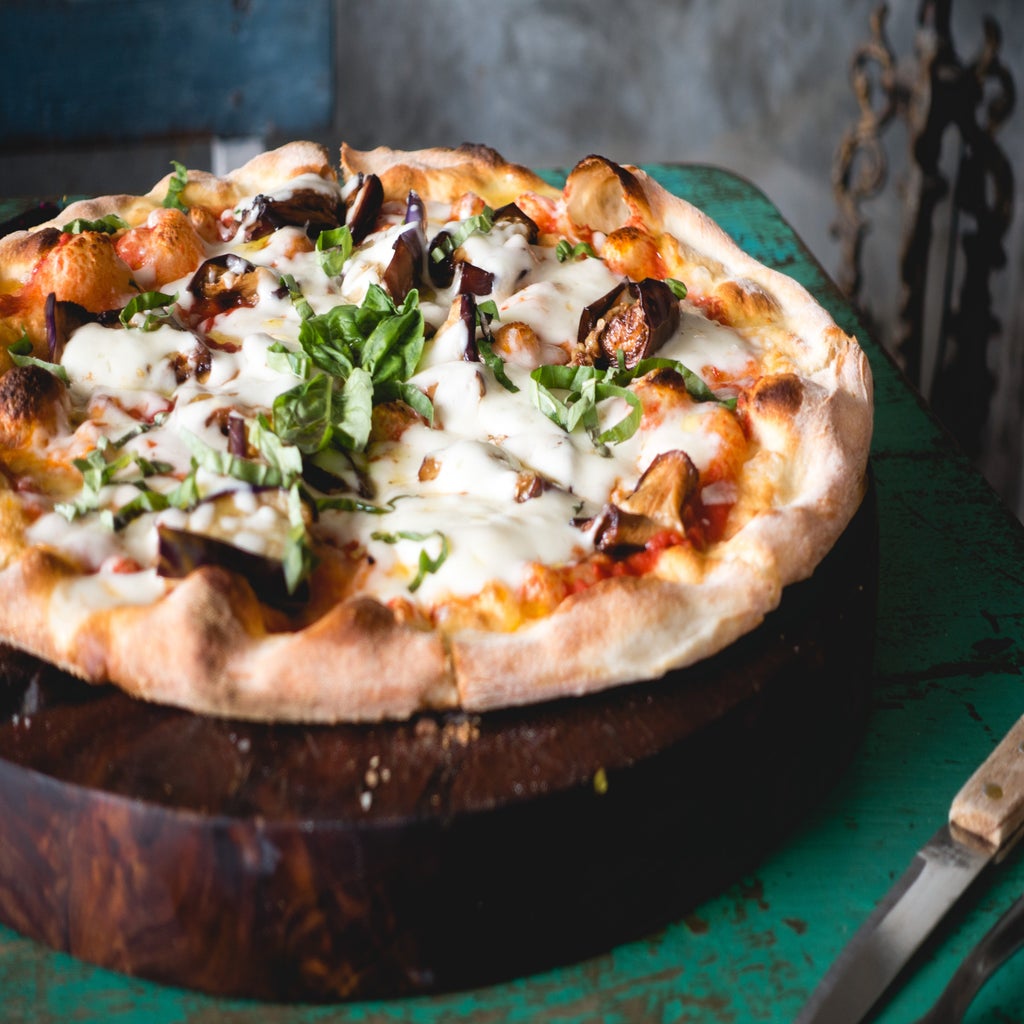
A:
{"points": [[287, 863]]}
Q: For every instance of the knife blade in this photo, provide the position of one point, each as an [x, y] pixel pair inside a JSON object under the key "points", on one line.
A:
{"points": [[984, 824]]}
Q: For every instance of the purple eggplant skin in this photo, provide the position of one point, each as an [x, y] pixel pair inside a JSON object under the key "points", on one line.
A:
{"points": [[237, 439], [181, 552], [212, 295], [309, 209], [475, 281], [406, 269], [635, 317], [63, 318], [442, 271], [511, 212], [467, 314], [365, 207]]}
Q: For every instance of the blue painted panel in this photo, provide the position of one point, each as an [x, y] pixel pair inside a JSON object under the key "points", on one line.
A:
{"points": [[124, 70]]}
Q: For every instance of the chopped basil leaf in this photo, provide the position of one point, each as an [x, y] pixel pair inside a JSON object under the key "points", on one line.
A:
{"points": [[299, 301], [97, 473], [285, 458], [354, 422], [176, 185], [284, 360], [108, 225], [679, 289], [343, 503], [140, 428], [258, 474], [20, 352], [333, 248], [566, 251], [586, 386], [145, 302], [297, 561], [426, 564], [495, 364], [302, 416], [481, 222]]}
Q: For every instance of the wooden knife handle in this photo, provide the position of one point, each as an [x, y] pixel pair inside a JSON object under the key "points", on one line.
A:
{"points": [[991, 804]]}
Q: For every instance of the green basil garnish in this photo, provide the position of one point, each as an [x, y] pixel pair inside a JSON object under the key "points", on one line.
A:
{"points": [[108, 225], [299, 301], [333, 248], [20, 352], [179, 179], [482, 222], [297, 560], [426, 564], [154, 304], [258, 474], [565, 251], [99, 472], [585, 386]]}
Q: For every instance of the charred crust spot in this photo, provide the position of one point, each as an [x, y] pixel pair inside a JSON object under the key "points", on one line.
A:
{"points": [[42, 241], [781, 395], [668, 378], [29, 396]]}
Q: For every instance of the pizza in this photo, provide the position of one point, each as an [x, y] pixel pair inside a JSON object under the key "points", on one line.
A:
{"points": [[419, 430]]}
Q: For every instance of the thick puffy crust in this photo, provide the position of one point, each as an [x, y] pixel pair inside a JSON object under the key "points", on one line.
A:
{"points": [[203, 644], [22, 251], [446, 174], [207, 643], [619, 631]]}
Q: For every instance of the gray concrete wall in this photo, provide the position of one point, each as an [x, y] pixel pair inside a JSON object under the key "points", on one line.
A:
{"points": [[761, 88]]}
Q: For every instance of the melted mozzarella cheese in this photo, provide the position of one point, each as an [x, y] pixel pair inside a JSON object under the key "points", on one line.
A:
{"points": [[124, 360], [493, 484]]}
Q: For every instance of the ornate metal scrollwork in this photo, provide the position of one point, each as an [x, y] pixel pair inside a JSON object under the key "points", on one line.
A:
{"points": [[941, 93]]}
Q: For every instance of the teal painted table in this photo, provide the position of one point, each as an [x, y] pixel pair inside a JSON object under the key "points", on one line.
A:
{"points": [[949, 649]]}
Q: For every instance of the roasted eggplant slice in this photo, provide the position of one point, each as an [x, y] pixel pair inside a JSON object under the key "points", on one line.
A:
{"points": [[220, 284], [635, 318], [657, 505], [405, 271], [181, 552], [364, 207], [511, 212], [310, 209], [62, 320]]}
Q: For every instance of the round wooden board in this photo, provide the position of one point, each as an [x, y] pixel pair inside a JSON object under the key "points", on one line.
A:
{"points": [[296, 863]]}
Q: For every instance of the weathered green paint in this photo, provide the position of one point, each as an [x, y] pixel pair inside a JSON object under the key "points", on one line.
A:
{"points": [[948, 664]]}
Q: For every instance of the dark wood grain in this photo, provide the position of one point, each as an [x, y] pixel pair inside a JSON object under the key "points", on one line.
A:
{"points": [[286, 862]]}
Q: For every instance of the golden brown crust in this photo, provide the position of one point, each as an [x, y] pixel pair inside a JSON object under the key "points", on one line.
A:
{"points": [[207, 643], [446, 174]]}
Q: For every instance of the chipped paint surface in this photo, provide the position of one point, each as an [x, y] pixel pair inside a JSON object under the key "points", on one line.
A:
{"points": [[949, 649]]}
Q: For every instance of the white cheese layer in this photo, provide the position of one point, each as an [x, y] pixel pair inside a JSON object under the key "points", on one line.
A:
{"points": [[490, 487]]}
